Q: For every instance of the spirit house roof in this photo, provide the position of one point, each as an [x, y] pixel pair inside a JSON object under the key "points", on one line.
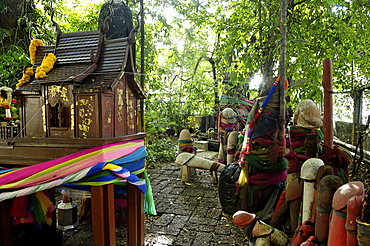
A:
{"points": [[89, 61]]}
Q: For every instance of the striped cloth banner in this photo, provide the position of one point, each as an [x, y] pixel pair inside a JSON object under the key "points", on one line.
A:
{"points": [[116, 163]]}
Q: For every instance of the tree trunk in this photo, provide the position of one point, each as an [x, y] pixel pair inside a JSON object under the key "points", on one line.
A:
{"points": [[282, 68], [142, 62], [215, 88], [14, 11]]}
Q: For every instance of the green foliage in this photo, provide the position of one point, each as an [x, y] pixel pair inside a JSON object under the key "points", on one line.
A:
{"points": [[40, 26], [160, 150], [14, 112], [162, 115], [180, 84], [4, 33], [2, 113], [196, 51], [76, 17], [12, 61]]}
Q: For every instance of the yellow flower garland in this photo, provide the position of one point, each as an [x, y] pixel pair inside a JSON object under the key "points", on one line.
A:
{"points": [[3, 102], [33, 47], [27, 74], [46, 65]]}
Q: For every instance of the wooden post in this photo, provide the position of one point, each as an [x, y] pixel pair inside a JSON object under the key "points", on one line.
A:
{"points": [[135, 207], [327, 83], [5, 223], [103, 215]]}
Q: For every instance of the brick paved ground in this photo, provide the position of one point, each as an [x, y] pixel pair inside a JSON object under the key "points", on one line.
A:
{"points": [[187, 213]]}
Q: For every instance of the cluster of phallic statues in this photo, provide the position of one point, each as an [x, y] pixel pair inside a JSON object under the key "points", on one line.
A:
{"points": [[309, 200], [228, 137]]}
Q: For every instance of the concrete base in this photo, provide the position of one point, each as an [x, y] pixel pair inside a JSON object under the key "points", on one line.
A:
{"points": [[201, 145]]}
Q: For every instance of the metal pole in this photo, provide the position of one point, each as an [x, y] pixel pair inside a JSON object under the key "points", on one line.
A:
{"points": [[327, 83]]}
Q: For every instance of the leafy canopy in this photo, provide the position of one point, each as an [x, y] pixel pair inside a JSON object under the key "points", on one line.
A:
{"points": [[198, 50]]}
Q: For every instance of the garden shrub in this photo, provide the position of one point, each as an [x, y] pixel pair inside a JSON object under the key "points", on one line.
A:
{"points": [[160, 150]]}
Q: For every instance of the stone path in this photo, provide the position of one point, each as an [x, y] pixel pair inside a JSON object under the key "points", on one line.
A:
{"points": [[187, 213]]}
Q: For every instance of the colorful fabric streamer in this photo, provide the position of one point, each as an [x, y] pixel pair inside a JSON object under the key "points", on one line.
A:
{"points": [[35, 208], [123, 160], [259, 112], [240, 105]]}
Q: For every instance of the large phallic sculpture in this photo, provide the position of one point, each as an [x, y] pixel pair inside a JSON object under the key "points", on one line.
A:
{"points": [[185, 142], [308, 174], [304, 143], [228, 135], [255, 228], [337, 231], [187, 161], [264, 168], [305, 137], [325, 192], [319, 203]]}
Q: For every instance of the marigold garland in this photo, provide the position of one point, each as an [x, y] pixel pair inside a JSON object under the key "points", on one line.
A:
{"points": [[3, 102], [46, 65], [33, 47], [27, 74]]}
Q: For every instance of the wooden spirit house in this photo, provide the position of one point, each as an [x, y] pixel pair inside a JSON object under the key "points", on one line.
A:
{"points": [[90, 97]]}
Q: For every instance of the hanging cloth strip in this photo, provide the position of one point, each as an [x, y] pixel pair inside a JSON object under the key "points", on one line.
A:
{"points": [[268, 125], [124, 152], [267, 166], [298, 136], [240, 105], [187, 146], [259, 112], [264, 178], [296, 156], [246, 148], [295, 161], [337, 159], [185, 143], [224, 129], [35, 208]]}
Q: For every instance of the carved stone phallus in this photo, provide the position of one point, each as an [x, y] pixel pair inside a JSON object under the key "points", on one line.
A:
{"points": [[307, 115], [253, 227]]}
